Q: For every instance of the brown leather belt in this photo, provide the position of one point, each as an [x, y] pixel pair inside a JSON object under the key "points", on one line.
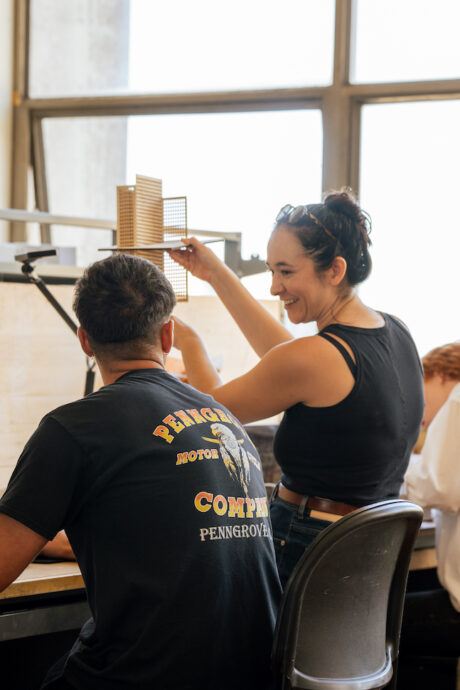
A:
{"points": [[320, 508]]}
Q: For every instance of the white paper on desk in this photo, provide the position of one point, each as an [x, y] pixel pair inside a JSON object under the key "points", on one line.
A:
{"points": [[169, 244]]}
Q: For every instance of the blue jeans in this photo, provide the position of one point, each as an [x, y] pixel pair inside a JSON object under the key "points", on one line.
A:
{"points": [[293, 531]]}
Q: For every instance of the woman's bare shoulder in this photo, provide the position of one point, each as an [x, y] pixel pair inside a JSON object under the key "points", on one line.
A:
{"points": [[307, 351], [314, 369]]}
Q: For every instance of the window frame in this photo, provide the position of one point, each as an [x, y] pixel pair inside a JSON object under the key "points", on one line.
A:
{"points": [[340, 104]]}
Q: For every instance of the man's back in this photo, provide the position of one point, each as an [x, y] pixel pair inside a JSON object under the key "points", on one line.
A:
{"points": [[161, 493]]}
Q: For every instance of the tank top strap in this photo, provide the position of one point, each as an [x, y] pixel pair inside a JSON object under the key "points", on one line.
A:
{"points": [[344, 352]]}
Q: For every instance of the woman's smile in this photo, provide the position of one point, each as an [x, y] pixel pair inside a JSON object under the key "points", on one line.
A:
{"points": [[294, 272]]}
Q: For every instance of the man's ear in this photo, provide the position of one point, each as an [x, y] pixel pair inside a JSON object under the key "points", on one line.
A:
{"points": [[338, 270], [167, 336], [84, 342]]}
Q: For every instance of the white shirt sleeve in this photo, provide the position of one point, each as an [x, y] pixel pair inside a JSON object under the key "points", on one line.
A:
{"points": [[433, 478]]}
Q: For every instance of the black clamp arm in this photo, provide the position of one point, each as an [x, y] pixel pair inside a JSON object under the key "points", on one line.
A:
{"points": [[28, 269]]}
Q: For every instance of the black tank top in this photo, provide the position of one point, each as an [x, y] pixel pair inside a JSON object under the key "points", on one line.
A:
{"points": [[357, 451]]}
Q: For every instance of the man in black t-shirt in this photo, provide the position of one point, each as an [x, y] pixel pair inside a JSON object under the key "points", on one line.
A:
{"points": [[160, 491]]}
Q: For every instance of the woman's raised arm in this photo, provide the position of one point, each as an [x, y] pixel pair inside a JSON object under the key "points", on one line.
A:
{"points": [[260, 328], [270, 387], [306, 370]]}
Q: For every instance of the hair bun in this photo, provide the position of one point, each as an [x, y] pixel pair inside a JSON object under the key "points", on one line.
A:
{"points": [[343, 201]]}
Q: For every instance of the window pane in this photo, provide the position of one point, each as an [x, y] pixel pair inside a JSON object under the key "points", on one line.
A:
{"points": [[91, 46], [407, 41], [236, 170], [85, 161], [410, 187]]}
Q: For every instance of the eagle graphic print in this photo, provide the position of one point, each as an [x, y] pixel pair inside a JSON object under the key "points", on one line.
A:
{"points": [[225, 443]]}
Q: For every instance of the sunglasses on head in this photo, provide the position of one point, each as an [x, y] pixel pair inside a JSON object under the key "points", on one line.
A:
{"points": [[294, 214]]}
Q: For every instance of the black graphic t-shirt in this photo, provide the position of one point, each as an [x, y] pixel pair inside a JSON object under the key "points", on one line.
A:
{"points": [[161, 493]]}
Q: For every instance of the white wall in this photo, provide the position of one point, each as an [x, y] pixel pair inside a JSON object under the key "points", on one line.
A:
{"points": [[6, 87]]}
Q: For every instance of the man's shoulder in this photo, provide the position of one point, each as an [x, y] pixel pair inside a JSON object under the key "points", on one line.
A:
{"points": [[71, 408], [76, 413], [151, 393], [123, 388]]}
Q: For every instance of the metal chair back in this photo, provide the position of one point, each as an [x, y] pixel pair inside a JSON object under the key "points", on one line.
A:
{"points": [[339, 620]]}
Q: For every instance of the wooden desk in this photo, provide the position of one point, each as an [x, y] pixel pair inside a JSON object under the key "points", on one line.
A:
{"points": [[44, 578], [45, 598]]}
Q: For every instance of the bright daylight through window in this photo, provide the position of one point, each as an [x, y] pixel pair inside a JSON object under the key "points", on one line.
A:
{"points": [[239, 154]]}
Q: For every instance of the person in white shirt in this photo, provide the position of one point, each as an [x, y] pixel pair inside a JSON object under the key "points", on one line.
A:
{"points": [[431, 622]]}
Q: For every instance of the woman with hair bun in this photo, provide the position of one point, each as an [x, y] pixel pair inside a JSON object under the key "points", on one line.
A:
{"points": [[352, 394]]}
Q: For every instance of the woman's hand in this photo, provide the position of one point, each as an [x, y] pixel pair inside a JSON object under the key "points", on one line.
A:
{"points": [[197, 258], [260, 328], [201, 373], [182, 333]]}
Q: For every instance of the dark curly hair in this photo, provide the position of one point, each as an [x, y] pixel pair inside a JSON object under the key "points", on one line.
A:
{"points": [[336, 227], [122, 300]]}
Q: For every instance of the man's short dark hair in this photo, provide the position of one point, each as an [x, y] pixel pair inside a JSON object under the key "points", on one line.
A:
{"points": [[123, 299]]}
